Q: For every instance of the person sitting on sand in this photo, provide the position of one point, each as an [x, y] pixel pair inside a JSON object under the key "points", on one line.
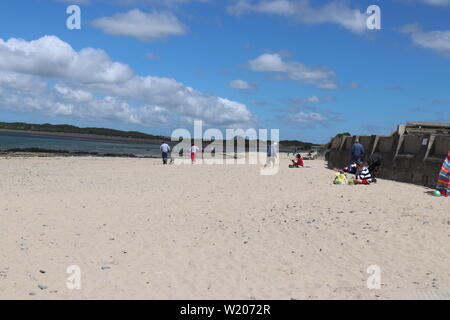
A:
{"points": [[363, 175], [351, 169], [443, 184], [298, 162]]}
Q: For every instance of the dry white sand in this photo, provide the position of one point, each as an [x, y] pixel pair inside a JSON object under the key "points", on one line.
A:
{"points": [[139, 230]]}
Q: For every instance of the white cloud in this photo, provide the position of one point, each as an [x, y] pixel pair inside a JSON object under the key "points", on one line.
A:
{"points": [[268, 62], [24, 93], [78, 2], [84, 76], [438, 41], [320, 76], [311, 99], [305, 112], [336, 11], [162, 3], [152, 56], [243, 85], [51, 57], [439, 3], [141, 25], [308, 117], [166, 3]]}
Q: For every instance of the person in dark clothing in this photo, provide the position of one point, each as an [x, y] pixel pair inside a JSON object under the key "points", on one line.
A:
{"points": [[374, 163], [357, 152], [351, 169]]}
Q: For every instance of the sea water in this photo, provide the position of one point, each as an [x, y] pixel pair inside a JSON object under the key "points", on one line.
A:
{"points": [[25, 141]]}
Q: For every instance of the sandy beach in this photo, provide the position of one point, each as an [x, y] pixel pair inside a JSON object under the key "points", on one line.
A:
{"points": [[139, 230]]}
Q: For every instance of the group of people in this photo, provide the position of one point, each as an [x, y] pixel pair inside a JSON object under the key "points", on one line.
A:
{"points": [[272, 153], [364, 172], [166, 150]]}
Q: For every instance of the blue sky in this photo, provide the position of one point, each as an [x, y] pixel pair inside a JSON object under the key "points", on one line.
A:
{"points": [[310, 68]]}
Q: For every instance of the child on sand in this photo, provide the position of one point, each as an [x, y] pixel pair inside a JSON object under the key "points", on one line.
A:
{"points": [[363, 175], [298, 162]]}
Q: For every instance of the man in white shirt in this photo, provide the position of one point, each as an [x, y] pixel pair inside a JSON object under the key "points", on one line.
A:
{"points": [[272, 153], [194, 150], [165, 149]]}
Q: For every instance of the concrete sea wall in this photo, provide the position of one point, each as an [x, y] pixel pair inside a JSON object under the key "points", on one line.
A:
{"points": [[408, 158]]}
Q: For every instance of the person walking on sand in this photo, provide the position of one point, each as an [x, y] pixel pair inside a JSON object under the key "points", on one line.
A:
{"points": [[194, 150], [165, 149], [357, 152], [271, 154]]}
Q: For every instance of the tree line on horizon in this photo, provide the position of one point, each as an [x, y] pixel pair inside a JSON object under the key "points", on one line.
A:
{"points": [[70, 129]]}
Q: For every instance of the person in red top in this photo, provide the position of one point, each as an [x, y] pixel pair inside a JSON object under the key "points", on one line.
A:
{"points": [[298, 162]]}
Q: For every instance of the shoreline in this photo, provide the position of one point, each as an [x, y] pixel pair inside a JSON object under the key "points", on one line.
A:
{"points": [[39, 152], [47, 153], [92, 137], [285, 146]]}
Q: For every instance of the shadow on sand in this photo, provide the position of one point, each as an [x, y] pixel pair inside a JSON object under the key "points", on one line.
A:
{"points": [[430, 193]]}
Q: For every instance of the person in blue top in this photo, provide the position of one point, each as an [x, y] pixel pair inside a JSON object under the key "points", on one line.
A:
{"points": [[357, 152]]}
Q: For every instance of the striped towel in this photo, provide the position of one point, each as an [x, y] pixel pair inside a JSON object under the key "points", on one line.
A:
{"points": [[443, 184]]}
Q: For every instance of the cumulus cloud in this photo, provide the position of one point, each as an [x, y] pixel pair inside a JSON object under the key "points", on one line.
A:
{"points": [[152, 56], [438, 3], [311, 99], [309, 118], [438, 41], [152, 3], [337, 11], [90, 84], [141, 25], [320, 76], [299, 113], [166, 3], [259, 103], [242, 85], [78, 2], [51, 57], [64, 101], [440, 102]]}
